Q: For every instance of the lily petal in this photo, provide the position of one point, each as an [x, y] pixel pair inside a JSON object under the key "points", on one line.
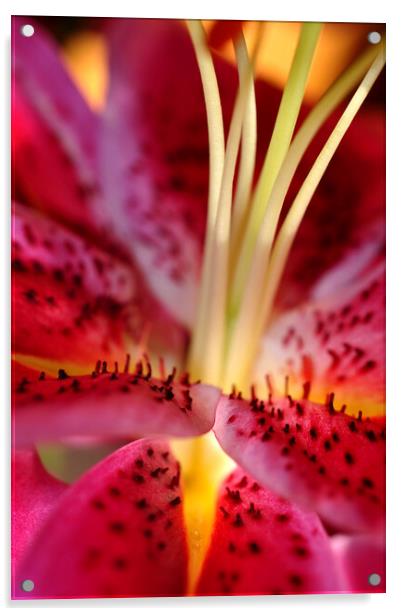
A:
{"points": [[361, 557], [336, 342], [138, 175], [155, 147], [320, 458], [119, 529], [35, 494], [71, 300], [346, 213], [54, 131], [108, 404], [262, 544]]}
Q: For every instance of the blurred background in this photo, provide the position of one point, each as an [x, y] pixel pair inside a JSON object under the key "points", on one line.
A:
{"points": [[85, 54]]}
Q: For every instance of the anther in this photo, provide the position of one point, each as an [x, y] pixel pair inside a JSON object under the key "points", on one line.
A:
{"points": [[127, 364], [185, 379], [286, 393], [148, 373], [170, 377], [306, 390], [138, 368], [330, 403]]}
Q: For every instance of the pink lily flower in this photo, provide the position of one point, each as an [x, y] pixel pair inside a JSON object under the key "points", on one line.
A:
{"points": [[109, 224]]}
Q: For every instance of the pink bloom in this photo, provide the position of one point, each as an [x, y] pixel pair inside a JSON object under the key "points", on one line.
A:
{"points": [[109, 218]]}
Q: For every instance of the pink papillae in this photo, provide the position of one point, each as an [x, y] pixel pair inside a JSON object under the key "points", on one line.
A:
{"points": [[319, 457], [106, 404], [262, 544], [117, 532]]}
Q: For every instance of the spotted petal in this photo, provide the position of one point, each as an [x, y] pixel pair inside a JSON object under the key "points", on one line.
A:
{"points": [[35, 494], [75, 302], [119, 529], [137, 176], [108, 404], [155, 152], [262, 544], [336, 341], [155, 146], [320, 458], [71, 300]]}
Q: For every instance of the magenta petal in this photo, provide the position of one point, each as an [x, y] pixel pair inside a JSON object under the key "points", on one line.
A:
{"points": [[361, 558], [71, 300], [117, 532], [336, 341], [155, 155], [35, 494], [319, 458], [263, 544], [54, 131], [155, 179], [108, 404], [347, 211]]}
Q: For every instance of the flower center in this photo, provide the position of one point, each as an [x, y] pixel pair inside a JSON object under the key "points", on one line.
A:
{"points": [[245, 250]]}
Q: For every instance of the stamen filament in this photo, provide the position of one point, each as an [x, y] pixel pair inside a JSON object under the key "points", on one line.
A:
{"points": [[216, 141], [252, 298], [212, 326], [316, 118], [214, 336], [216, 136], [282, 134], [247, 156], [295, 215], [257, 306]]}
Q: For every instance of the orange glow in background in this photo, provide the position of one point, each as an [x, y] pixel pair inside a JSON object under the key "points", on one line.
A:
{"points": [[85, 56]]}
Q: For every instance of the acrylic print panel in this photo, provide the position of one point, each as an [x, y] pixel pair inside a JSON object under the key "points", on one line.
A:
{"points": [[198, 308]]}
